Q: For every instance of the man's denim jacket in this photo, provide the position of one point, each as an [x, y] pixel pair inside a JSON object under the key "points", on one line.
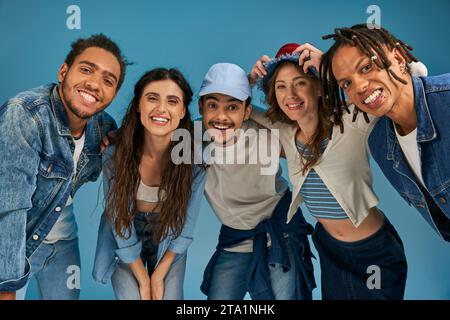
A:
{"points": [[432, 105], [36, 173]]}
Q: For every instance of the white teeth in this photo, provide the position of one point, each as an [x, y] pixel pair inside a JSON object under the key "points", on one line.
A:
{"points": [[295, 105], [86, 96], [372, 97], [160, 119], [222, 127]]}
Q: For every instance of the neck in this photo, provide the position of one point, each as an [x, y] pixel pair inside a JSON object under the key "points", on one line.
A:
{"points": [[76, 124], [308, 127], [155, 146], [403, 112]]}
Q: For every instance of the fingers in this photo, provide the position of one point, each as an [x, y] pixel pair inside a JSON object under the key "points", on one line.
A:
{"points": [[104, 144], [258, 70], [307, 46]]}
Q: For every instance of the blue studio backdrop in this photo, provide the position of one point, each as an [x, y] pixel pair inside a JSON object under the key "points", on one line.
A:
{"points": [[35, 37]]}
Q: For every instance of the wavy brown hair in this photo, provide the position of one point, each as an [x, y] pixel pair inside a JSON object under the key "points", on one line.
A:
{"points": [[275, 113], [176, 179]]}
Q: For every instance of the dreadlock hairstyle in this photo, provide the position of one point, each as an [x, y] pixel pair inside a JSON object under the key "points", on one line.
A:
{"points": [[176, 179], [274, 113], [371, 42]]}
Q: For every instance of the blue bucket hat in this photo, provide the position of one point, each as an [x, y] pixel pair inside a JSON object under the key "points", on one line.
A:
{"points": [[228, 79], [284, 54]]}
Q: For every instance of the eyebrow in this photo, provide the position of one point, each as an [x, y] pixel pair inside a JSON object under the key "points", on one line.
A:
{"points": [[93, 65], [356, 67], [157, 94], [229, 100], [296, 78]]}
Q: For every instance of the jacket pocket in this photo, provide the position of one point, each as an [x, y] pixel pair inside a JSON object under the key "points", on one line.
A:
{"points": [[51, 176]]}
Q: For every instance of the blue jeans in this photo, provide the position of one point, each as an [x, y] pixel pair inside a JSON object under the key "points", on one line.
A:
{"points": [[56, 267], [126, 287], [229, 278], [351, 270]]}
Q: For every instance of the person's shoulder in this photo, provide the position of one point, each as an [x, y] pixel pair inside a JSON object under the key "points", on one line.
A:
{"points": [[106, 122], [436, 83], [32, 99]]}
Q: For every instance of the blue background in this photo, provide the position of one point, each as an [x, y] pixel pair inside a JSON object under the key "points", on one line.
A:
{"points": [[192, 35]]}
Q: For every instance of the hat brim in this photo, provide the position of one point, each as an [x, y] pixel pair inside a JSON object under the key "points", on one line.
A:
{"points": [[272, 64], [224, 89]]}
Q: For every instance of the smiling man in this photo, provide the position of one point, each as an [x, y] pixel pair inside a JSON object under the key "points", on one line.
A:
{"points": [[50, 139], [411, 140], [258, 252]]}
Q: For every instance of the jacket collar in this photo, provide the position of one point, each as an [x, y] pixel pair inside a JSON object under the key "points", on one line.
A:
{"points": [[62, 122], [425, 127]]}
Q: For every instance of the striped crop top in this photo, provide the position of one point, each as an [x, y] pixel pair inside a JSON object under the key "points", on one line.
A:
{"points": [[318, 199]]}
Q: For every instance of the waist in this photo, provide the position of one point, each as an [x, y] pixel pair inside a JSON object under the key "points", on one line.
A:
{"points": [[345, 231]]}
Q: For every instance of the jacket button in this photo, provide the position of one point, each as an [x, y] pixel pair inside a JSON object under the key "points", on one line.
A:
{"points": [[35, 237], [443, 200], [58, 209], [116, 258]]}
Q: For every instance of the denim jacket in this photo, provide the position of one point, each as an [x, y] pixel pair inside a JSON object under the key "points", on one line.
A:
{"points": [[432, 105], [111, 248], [36, 173]]}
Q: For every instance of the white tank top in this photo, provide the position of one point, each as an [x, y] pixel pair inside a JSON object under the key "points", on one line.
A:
{"points": [[148, 193]]}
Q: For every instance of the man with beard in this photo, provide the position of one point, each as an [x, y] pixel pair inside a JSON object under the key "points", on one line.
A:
{"points": [[50, 141]]}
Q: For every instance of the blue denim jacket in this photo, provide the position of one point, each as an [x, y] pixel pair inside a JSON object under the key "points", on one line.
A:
{"points": [[111, 248], [432, 105], [36, 173]]}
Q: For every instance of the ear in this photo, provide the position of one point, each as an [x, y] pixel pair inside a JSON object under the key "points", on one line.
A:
{"points": [[200, 106], [183, 113], [62, 72], [398, 56], [248, 111]]}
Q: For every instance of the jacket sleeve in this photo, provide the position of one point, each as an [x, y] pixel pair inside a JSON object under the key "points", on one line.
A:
{"points": [[129, 248], [181, 244], [19, 162]]}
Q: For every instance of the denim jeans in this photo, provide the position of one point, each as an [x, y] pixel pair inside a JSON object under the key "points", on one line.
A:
{"points": [[229, 278], [349, 270], [126, 287], [56, 267], [123, 281]]}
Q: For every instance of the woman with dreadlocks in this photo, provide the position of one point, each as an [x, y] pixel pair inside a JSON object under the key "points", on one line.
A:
{"points": [[152, 203], [411, 140], [361, 254]]}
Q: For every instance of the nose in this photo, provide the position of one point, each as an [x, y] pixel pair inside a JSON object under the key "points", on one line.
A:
{"points": [[361, 84], [292, 91], [93, 82]]}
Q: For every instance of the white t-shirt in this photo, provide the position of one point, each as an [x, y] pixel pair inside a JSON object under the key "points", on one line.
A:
{"points": [[408, 144], [65, 228]]}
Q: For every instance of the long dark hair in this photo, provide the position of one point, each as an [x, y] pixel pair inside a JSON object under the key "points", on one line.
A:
{"points": [[274, 113], [176, 179]]}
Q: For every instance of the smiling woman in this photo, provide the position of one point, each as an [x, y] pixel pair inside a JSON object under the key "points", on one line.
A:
{"points": [[151, 203]]}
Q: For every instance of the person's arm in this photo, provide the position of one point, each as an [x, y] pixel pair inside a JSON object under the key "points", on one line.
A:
{"points": [[129, 247], [180, 244], [142, 278], [159, 274], [20, 146]]}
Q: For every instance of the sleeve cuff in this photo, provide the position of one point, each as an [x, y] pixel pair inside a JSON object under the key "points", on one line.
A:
{"points": [[180, 245], [130, 254], [16, 284]]}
